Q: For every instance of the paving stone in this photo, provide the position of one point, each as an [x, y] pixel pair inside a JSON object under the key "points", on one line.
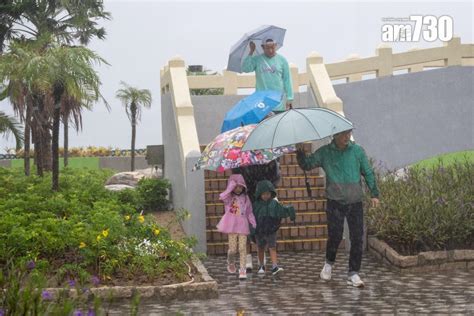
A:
{"points": [[299, 291]]}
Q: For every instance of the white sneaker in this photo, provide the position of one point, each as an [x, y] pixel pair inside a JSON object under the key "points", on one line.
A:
{"points": [[326, 272], [261, 270], [355, 280], [249, 264]]}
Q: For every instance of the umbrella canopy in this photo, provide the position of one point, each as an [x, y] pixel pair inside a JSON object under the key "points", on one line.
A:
{"points": [[296, 126], [251, 109], [241, 49], [225, 152]]}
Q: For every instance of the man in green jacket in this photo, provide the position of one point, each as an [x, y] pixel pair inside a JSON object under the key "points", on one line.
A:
{"points": [[343, 162], [271, 71]]}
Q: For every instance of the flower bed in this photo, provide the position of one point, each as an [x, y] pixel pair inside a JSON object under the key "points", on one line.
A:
{"points": [[84, 233], [426, 216]]}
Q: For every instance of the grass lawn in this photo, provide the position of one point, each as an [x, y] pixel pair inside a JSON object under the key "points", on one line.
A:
{"points": [[447, 159], [74, 162]]}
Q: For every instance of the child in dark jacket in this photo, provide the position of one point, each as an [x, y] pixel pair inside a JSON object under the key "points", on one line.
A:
{"points": [[268, 213]]}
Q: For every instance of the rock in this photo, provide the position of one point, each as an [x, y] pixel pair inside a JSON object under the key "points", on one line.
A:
{"points": [[118, 187], [131, 178]]}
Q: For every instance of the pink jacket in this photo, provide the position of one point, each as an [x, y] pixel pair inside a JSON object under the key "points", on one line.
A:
{"points": [[238, 209]]}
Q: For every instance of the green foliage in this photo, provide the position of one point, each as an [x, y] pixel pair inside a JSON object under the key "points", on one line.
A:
{"points": [[427, 209], [23, 292], [153, 194], [85, 230]]}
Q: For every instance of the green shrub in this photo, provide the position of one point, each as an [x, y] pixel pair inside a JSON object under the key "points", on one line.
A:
{"points": [[153, 194], [427, 209], [85, 230]]}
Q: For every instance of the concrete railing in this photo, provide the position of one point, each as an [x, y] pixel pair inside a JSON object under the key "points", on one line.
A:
{"points": [[318, 76], [181, 149]]}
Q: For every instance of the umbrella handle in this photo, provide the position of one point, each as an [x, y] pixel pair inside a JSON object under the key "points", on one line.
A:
{"points": [[308, 186]]}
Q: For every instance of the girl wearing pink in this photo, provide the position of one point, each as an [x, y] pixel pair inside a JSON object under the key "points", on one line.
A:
{"points": [[235, 222]]}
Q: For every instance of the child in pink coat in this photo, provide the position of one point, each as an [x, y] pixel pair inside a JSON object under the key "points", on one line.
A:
{"points": [[235, 222]]}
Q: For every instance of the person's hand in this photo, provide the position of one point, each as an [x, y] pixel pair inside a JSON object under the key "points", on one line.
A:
{"points": [[252, 48], [289, 104], [375, 202]]}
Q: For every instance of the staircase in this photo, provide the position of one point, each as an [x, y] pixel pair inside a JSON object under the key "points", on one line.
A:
{"points": [[310, 230]]}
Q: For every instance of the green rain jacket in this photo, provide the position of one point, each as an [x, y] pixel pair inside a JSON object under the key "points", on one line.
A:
{"points": [[271, 74], [269, 214], [343, 170]]}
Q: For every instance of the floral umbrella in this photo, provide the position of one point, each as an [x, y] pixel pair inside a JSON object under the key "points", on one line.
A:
{"points": [[224, 152]]}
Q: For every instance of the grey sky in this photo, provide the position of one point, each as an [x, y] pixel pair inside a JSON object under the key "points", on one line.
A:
{"points": [[144, 35]]}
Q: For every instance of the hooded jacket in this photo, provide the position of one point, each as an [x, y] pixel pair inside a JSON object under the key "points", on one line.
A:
{"points": [[238, 208], [269, 213], [343, 170]]}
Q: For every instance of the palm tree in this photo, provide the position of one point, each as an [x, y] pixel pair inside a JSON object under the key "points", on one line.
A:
{"points": [[133, 98], [55, 77], [72, 78], [10, 125], [67, 21]]}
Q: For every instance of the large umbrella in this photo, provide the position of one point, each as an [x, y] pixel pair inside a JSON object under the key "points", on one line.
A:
{"points": [[296, 126], [251, 109], [241, 49], [225, 152]]}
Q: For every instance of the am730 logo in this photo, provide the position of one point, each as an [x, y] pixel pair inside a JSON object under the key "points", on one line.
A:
{"points": [[427, 27]]}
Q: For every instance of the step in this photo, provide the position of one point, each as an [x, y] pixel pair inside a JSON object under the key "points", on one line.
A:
{"points": [[284, 233], [318, 244], [285, 182], [286, 170], [302, 218], [301, 205], [285, 193]]}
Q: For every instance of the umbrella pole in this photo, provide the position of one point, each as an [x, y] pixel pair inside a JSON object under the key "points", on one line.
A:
{"points": [[308, 186]]}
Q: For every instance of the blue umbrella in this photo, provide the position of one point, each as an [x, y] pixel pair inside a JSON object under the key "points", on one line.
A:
{"points": [[241, 49], [252, 109]]}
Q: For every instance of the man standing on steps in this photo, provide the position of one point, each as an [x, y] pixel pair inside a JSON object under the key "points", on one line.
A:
{"points": [[272, 72], [343, 162]]}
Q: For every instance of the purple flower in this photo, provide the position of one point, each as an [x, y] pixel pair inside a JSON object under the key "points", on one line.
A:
{"points": [[2, 312], [95, 280], [91, 312], [72, 283], [31, 265], [46, 296], [77, 313]]}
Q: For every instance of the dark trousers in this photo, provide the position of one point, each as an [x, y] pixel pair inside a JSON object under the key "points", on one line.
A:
{"points": [[336, 213]]}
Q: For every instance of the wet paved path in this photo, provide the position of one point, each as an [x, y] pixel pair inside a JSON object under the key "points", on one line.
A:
{"points": [[300, 291]]}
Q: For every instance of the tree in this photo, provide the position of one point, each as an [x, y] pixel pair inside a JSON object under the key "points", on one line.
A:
{"points": [[133, 98], [71, 77], [64, 21], [10, 125], [68, 21], [56, 77]]}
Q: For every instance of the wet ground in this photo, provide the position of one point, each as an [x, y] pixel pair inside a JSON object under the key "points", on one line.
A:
{"points": [[298, 290]]}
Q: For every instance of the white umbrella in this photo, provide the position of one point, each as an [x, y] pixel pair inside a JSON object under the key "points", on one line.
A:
{"points": [[241, 49]]}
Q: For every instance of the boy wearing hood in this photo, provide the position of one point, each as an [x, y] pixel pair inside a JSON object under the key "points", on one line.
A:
{"points": [[268, 214]]}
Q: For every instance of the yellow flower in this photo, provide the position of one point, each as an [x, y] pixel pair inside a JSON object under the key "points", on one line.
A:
{"points": [[141, 218], [99, 237], [188, 216], [127, 217], [82, 245], [156, 231], [105, 233]]}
